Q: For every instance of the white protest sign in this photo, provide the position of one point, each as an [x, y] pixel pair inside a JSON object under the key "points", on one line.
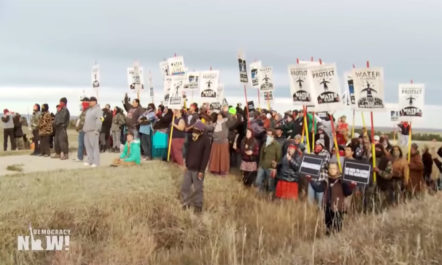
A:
{"points": [[95, 76], [176, 99], [301, 84], [176, 65], [265, 75], [350, 88], [243, 70], [167, 84], [209, 81], [192, 81], [411, 100], [369, 88], [164, 68], [135, 78], [326, 87], [254, 72]]}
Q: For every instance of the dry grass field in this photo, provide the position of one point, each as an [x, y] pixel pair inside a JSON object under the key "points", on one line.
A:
{"points": [[133, 216]]}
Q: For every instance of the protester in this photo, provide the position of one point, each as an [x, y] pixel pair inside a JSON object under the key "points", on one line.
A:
{"points": [[79, 128], [342, 131], [134, 111], [320, 150], [105, 128], [404, 135], [178, 137], [249, 151], [45, 130], [219, 155], [196, 162], [146, 120], [416, 166], [428, 166], [61, 123], [322, 134], [335, 190], [18, 131], [8, 130], [131, 154], [269, 157], [288, 176], [34, 127], [160, 139], [118, 121], [191, 118], [92, 129]]}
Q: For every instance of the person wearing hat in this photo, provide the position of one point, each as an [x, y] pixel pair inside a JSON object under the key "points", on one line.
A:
{"points": [[45, 130], [197, 159], [416, 182], [8, 130], [322, 134], [61, 123], [315, 196], [91, 129], [79, 128], [288, 176]]}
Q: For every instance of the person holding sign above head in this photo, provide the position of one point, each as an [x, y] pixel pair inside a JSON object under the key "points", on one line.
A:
{"points": [[320, 150], [335, 190]]}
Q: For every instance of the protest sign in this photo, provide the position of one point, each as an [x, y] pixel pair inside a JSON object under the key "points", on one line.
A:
{"points": [[350, 88], [254, 72], [394, 115], [411, 100], [176, 99], [268, 95], [326, 87], [357, 171], [164, 68], [135, 78], [301, 84], [243, 70], [167, 84], [192, 81], [265, 76], [369, 88], [311, 165], [251, 106], [209, 81], [176, 65], [95, 76]]}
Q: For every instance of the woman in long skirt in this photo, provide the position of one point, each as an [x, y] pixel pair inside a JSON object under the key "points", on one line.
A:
{"points": [[220, 155]]}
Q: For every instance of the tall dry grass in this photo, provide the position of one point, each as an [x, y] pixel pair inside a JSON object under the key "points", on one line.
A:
{"points": [[133, 216]]}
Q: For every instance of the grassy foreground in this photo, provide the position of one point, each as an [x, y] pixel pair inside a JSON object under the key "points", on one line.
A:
{"points": [[133, 216]]}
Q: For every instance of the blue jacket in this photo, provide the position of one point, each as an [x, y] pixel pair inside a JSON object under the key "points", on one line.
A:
{"points": [[135, 153]]}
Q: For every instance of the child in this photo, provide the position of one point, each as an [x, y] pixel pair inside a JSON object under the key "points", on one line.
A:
{"points": [[131, 154], [335, 190]]}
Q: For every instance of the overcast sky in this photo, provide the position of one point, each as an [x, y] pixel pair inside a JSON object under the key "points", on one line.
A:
{"points": [[54, 43]]}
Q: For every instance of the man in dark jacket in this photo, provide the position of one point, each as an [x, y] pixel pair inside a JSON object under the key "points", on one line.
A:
{"points": [[196, 163], [105, 128], [34, 126], [18, 131], [8, 130], [134, 111], [61, 123]]}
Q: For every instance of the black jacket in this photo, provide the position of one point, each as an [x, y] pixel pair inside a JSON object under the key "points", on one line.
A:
{"points": [[62, 118], [198, 153]]}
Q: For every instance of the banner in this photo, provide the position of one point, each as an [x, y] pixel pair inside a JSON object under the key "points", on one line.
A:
{"points": [[369, 88], [164, 68], [176, 99], [265, 75], [301, 84], [95, 76], [176, 65], [311, 165], [135, 78], [357, 171], [326, 87], [243, 70], [209, 81], [254, 72], [192, 81], [411, 100], [167, 84]]}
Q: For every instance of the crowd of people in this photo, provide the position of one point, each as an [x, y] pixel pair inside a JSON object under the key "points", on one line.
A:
{"points": [[266, 146]]}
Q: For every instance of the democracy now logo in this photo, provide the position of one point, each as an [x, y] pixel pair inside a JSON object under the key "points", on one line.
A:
{"points": [[56, 240]]}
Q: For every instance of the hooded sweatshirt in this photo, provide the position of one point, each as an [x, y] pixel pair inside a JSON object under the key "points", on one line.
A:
{"points": [[92, 120]]}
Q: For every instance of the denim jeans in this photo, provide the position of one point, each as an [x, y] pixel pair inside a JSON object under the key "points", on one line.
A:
{"points": [[80, 150], [146, 144], [263, 180], [314, 196]]}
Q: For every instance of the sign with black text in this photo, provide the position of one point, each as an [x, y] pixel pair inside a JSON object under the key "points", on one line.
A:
{"points": [[243, 70], [411, 100], [254, 72], [357, 171], [326, 87], [369, 88], [251, 106]]}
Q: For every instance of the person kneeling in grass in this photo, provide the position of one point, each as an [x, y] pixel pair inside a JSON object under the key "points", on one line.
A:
{"points": [[335, 190], [131, 154]]}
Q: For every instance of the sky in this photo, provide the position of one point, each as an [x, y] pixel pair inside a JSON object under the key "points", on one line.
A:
{"points": [[48, 47]]}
